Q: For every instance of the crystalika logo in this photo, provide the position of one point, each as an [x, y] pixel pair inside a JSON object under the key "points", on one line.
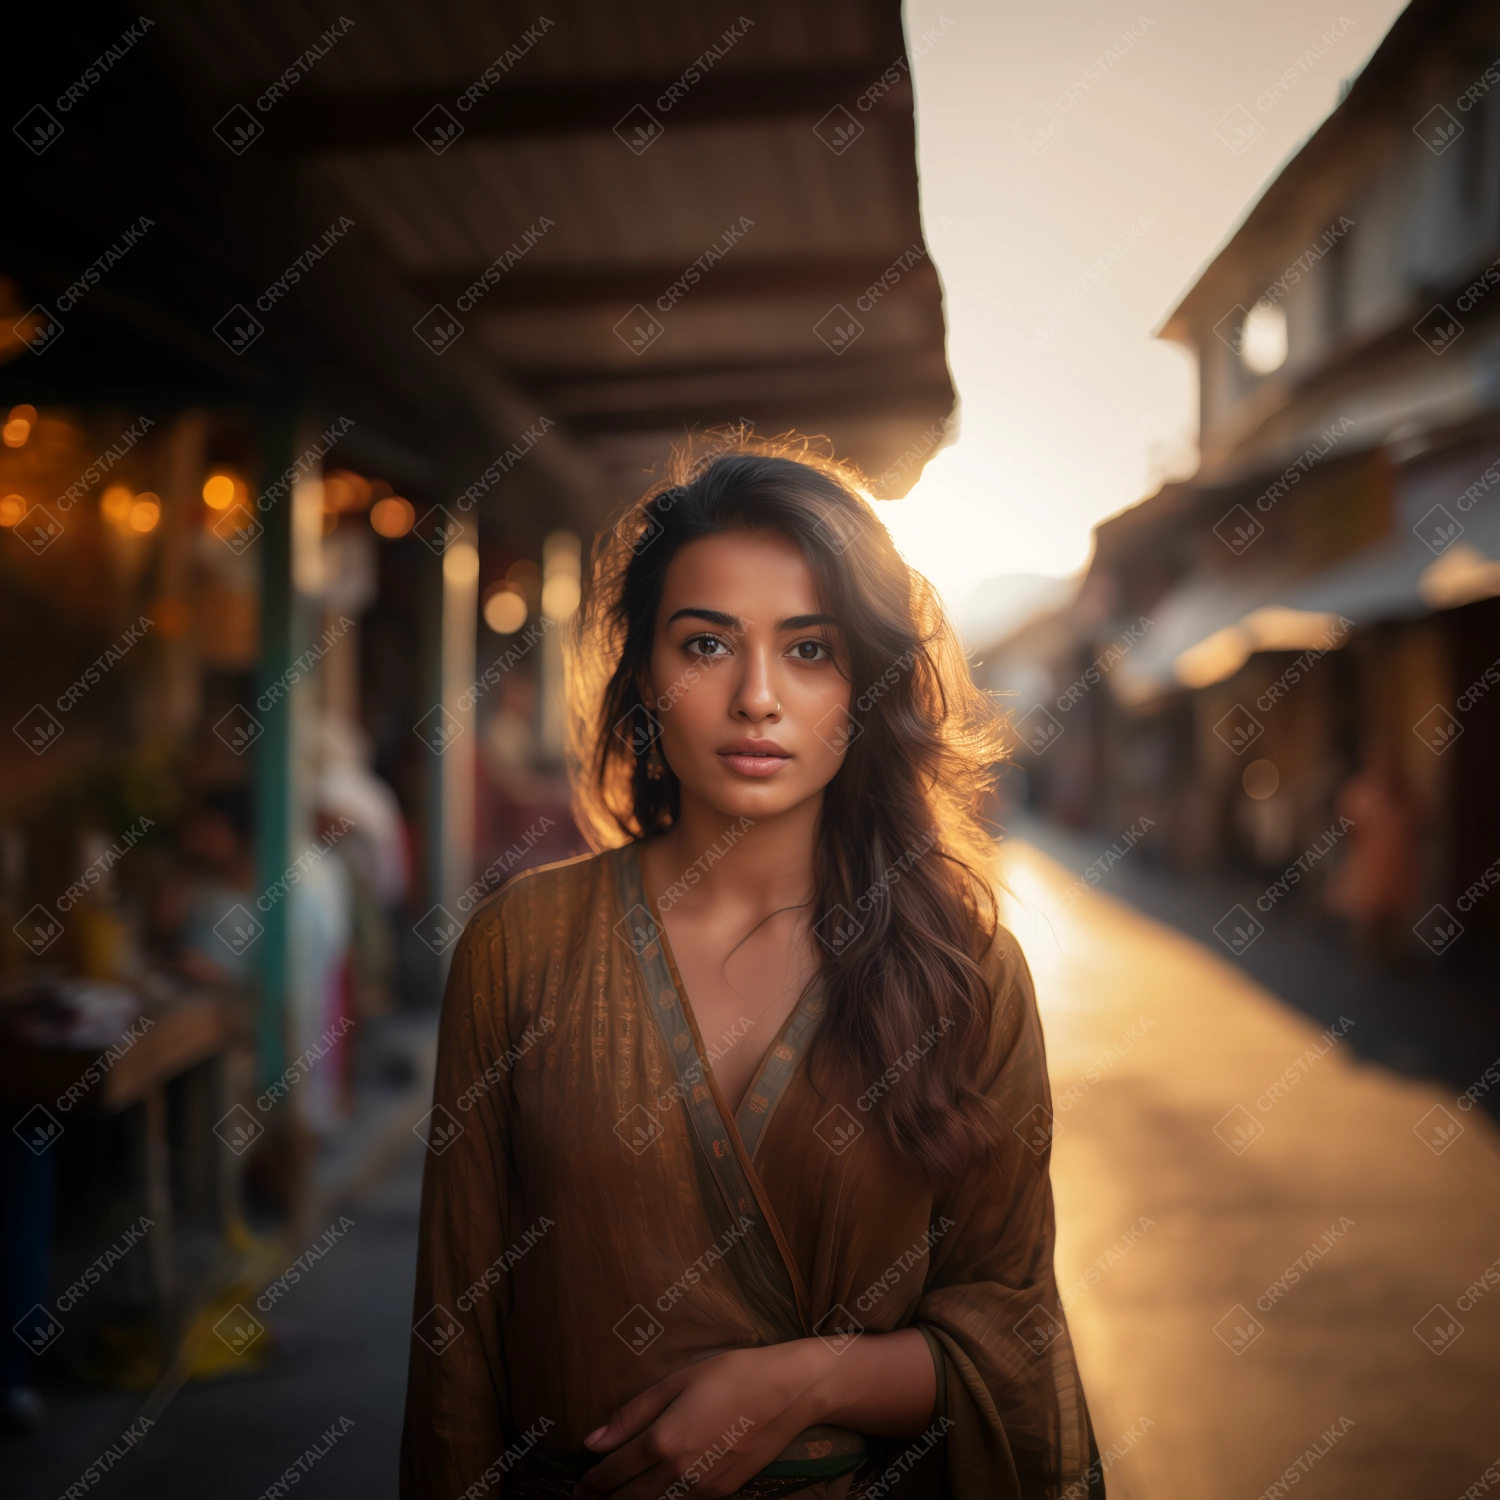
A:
{"points": [[38, 129], [636, 929]]}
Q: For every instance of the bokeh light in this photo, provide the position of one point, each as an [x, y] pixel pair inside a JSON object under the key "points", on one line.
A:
{"points": [[12, 508], [344, 490], [561, 561], [461, 564], [393, 516], [145, 512], [504, 611], [1261, 779], [18, 425], [1263, 338], [560, 597], [115, 503], [219, 491]]}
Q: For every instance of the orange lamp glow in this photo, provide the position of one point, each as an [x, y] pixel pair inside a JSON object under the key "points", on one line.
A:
{"points": [[145, 512], [393, 516], [344, 490], [12, 508], [505, 611], [115, 503], [219, 491], [15, 432]]}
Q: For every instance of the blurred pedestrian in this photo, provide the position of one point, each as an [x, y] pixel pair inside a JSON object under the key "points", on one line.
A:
{"points": [[212, 891], [321, 922], [371, 846], [1377, 887]]}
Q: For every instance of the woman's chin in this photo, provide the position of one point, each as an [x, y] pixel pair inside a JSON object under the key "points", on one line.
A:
{"points": [[735, 796]]}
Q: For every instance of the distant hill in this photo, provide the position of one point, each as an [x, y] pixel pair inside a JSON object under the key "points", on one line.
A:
{"points": [[998, 606]]}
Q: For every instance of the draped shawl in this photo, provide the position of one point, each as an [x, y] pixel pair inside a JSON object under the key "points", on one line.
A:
{"points": [[595, 1217]]}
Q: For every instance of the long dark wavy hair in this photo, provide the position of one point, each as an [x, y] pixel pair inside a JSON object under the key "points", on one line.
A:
{"points": [[901, 844]]}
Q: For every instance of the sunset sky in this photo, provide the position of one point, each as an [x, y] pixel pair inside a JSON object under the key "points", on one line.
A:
{"points": [[1072, 187]]}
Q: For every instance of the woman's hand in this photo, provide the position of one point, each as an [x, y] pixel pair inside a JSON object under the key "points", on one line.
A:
{"points": [[725, 1418], [722, 1419]]}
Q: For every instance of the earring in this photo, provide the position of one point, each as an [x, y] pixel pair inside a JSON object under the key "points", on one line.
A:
{"points": [[656, 767]]}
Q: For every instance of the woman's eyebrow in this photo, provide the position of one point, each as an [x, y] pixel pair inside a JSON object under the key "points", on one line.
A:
{"points": [[713, 616], [733, 622]]}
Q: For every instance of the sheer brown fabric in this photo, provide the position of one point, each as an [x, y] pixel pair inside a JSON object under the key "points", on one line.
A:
{"points": [[594, 1218]]}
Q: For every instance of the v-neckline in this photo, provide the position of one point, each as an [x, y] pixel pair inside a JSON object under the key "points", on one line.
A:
{"points": [[736, 1117]]}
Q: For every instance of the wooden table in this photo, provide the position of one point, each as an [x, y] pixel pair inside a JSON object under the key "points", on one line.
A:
{"points": [[190, 1037]]}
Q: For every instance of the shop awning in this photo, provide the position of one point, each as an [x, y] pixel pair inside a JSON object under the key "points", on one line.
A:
{"points": [[1447, 558], [1204, 630], [1199, 608], [635, 224]]}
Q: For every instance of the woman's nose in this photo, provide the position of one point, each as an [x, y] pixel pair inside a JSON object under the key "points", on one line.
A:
{"points": [[757, 698]]}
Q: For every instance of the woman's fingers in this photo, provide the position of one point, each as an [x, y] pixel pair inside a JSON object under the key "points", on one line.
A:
{"points": [[631, 1471], [694, 1429], [635, 1416], [625, 1423], [623, 1465]]}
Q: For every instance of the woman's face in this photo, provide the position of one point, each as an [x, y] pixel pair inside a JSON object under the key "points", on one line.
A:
{"points": [[748, 677]]}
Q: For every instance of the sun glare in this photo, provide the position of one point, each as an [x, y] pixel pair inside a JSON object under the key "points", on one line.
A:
{"points": [[965, 521]]}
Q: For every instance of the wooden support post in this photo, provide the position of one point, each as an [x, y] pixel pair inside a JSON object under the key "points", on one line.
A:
{"points": [[273, 747]]}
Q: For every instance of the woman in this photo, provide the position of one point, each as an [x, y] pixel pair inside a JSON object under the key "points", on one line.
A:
{"points": [[739, 1152]]}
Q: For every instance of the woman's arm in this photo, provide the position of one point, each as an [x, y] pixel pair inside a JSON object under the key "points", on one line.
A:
{"points": [[1016, 1419], [725, 1418], [882, 1383]]}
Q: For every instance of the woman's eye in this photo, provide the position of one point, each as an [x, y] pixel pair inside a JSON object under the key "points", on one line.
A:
{"points": [[706, 645], [811, 651]]}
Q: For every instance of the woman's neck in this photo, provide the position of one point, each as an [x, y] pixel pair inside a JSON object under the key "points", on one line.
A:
{"points": [[756, 864]]}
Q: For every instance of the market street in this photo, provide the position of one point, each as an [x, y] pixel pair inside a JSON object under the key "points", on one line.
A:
{"points": [[1336, 1206], [1321, 1234]]}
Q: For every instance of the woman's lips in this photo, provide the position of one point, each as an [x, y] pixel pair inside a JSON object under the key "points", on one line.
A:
{"points": [[746, 763]]}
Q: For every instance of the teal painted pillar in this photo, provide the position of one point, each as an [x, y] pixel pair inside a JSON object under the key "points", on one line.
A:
{"points": [[281, 632], [432, 734]]}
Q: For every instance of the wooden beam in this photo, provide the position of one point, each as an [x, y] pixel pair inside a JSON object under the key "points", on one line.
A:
{"points": [[596, 393], [550, 289], [310, 122], [924, 400]]}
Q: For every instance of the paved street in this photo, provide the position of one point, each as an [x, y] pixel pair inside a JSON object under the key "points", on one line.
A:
{"points": [[1318, 1247], [326, 1413], [322, 1414]]}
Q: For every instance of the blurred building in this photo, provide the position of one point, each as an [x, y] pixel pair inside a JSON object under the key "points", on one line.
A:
{"points": [[366, 322], [327, 347], [1292, 660]]}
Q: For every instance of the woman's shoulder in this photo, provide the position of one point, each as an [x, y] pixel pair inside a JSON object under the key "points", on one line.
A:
{"points": [[1006, 1026], [1001, 955], [1007, 977], [547, 895]]}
